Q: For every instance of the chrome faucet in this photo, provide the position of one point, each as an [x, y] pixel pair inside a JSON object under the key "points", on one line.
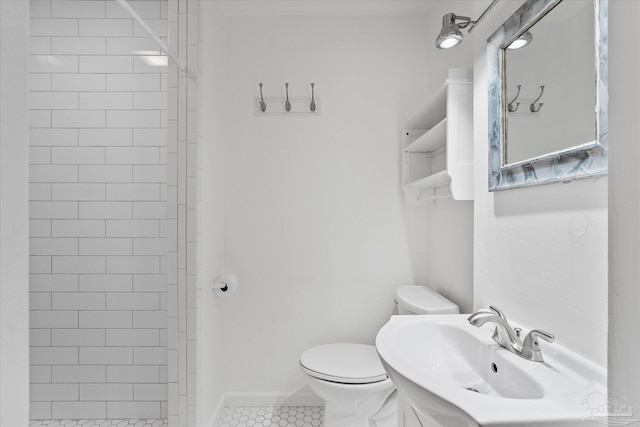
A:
{"points": [[507, 337]]}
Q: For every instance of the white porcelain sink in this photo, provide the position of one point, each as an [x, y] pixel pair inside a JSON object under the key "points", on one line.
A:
{"points": [[454, 374]]}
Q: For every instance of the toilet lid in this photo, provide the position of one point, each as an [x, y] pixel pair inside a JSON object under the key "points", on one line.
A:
{"points": [[344, 363]]}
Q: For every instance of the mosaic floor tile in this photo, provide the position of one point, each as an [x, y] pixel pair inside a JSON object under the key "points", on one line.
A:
{"points": [[99, 423], [272, 416]]}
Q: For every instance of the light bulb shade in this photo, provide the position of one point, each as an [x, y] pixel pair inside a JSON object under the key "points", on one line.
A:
{"points": [[521, 41], [450, 35]]}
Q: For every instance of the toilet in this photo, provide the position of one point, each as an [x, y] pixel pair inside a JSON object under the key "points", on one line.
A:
{"points": [[350, 378]]}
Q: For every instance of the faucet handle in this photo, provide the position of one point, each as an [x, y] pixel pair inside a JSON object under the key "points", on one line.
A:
{"points": [[531, 345]]}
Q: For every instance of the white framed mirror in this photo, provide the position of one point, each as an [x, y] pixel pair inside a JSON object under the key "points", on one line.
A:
{"points": [[548, 98]]}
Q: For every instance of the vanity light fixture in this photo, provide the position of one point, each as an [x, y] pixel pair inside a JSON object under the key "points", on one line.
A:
{"points": [[521, 41], [450, 34]]}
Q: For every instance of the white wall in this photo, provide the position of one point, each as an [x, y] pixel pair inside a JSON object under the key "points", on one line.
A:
{"points": [[540, 253], [624, 204], [314, 222], [14, 232]]}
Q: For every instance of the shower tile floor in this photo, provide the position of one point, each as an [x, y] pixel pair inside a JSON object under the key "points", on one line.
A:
{"points": [[99, 423], [272, 416]]}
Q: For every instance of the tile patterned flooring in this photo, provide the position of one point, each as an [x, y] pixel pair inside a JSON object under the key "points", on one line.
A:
{"points": [[99, 423], [272, 416]]}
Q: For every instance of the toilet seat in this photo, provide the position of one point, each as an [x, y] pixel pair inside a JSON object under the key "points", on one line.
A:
{"points": [[344, 363]]}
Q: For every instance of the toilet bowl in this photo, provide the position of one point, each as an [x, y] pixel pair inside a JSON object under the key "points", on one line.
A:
{"points": [[350, 378]]}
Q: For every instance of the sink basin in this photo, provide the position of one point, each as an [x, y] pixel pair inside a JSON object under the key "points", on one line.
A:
{"points": [[454, 374]]}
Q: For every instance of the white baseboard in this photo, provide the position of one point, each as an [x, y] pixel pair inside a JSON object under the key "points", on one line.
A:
{"points": [[300, 398]]}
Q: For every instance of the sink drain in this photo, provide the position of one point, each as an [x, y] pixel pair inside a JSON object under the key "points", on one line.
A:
{"points": [[473, 389]]}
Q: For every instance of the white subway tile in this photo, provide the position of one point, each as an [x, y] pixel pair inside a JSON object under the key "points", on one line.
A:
{"points": [[106, 27], [77, 191], [164, 333], [40, 301], [150, 355], [41, 191], [134, 409], [132, 155], [53, 63], [106, 392], [78, 301], [133, 265], [105, 283], [40, 8], [106, 355], [150, 283], [155, 173], [39, 228], [53, 27], [133, 118], [39, 264], [53, 173], [159, 27], [78, 228], [105, 210], [143, 65], [105, 173], [53, 137], [39, 46], [133, 82], [150, 392], [78, 374], [40, 338], [53, 210], [150, 101], [53, 100], [133, 373], [53, 283], [53, 355], [78, 82], [39, 118], [40, 374], [146, 9], [106, 64], [40, 82], [77, 119], [105, 319], [79, 410], [77, 155], [105, 137], [149, 210], [40, 410], [78, 46], [53, 319], [164, 82], [133, 338], [52, 246], [77, 9], [133, 228], [133, 192], [133, 301], [150, 246], [101, 246], [128, 45], [53, 392], [39, 155], [106, 100], [78, 264], [77, 338]]}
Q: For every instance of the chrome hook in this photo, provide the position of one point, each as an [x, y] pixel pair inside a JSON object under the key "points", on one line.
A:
{"points": [[287, 105], [263, 106], [510, 107], [313, 102], [532, 107]]}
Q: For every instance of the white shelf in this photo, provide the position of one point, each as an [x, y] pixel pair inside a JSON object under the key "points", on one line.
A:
{"points": [[431, 140], [437, 144]]}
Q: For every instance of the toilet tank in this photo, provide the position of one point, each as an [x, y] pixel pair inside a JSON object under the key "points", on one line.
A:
{"points": [[423, 300]]}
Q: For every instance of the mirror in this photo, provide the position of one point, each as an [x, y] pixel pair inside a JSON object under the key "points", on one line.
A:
{"points": [[547, 99]]}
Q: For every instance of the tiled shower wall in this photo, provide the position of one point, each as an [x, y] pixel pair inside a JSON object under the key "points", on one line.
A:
{"points": [[98, 155]]}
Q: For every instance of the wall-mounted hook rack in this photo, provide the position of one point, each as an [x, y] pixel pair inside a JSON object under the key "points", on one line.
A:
{"points": [[511, 107], [533, 107], [286, 106]]}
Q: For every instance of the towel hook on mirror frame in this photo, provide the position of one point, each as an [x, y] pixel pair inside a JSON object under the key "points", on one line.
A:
{"points": [[263, 105], [312, 106], [533, 107], [287, 105], [510, 106]]}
